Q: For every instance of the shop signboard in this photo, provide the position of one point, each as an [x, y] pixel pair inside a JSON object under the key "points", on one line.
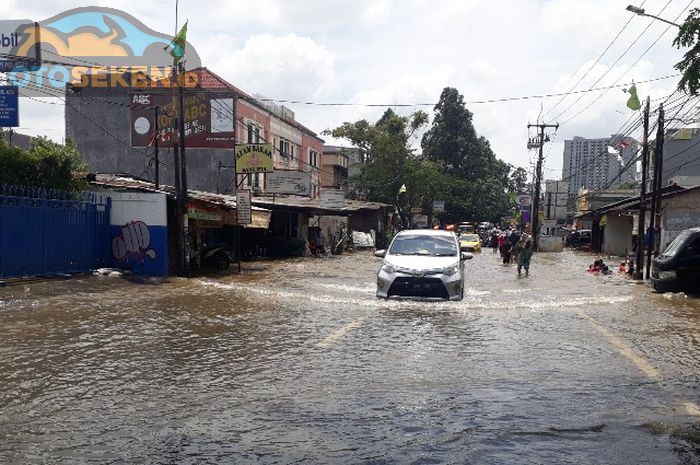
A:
{"points": [[289, 182], [254, 158], [332, 199], [244, 206]]}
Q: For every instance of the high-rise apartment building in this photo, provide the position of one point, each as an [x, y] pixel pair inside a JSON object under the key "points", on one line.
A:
{"points": [[598, 164]]}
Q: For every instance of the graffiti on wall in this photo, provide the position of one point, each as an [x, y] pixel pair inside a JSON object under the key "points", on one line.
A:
{"points": [[133, 242]]}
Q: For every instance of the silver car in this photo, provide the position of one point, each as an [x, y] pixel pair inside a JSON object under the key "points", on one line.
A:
{"points": [[423, 264]]}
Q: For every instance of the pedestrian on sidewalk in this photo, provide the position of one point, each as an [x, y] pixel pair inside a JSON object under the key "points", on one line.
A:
{"points": [[524, 258]]}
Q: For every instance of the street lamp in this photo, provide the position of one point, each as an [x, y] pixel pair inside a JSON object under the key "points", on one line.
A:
{"points": [[641, 12]]}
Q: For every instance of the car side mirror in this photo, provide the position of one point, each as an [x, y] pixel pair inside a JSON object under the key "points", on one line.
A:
{"points": [[466, 256], [381, 253]]}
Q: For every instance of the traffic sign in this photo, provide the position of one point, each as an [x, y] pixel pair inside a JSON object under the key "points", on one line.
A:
{"points": [[524, 200], [9, 106]]}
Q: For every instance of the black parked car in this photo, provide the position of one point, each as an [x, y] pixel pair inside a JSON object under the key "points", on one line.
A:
{"points": [[678, 267], [579, 238]]}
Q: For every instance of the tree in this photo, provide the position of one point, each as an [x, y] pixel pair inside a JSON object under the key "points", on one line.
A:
{"points": [[689, 36], [480, 187], [46, 164], [391, 162], [517, 181]]}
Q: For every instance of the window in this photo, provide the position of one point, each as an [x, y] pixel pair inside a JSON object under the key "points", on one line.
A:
{"points": [[254, 136], [284, 149], [313, 158]]}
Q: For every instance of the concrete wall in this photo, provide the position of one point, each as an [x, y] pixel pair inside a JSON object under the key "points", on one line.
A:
{"points": [[679, 152], [678, 213], [618, 235], [138, 232]]}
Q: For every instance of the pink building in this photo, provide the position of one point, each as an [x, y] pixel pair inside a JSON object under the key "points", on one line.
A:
{"points": [[296, 147]]}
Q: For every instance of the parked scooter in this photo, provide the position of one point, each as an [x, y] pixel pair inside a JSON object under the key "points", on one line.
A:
{"points": [[216, 257]]}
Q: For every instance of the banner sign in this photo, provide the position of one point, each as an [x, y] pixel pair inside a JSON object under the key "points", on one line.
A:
{"points": [[333, 199], [289, 182], [244, 206], [254, 158], [208, 121], [9, 106]]}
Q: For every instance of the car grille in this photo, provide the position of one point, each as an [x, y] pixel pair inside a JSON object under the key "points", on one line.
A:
{"points": [[409, 286]]}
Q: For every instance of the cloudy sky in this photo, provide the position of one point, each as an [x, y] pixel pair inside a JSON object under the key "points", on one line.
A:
{"points": [[407, 51]]}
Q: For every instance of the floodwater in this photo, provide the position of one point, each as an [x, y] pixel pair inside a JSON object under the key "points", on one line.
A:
{"points": [[297, 362]]}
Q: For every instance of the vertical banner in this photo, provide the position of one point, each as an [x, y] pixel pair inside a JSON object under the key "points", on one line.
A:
{"points": [[243, 206]]}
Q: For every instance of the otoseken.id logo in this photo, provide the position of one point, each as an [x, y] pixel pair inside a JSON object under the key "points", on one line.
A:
{"points": [[92, 46]]}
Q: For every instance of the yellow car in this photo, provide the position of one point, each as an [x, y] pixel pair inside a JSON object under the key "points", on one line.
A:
{"points": [[470, 243]]}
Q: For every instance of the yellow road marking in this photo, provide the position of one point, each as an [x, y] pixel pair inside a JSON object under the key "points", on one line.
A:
{"points": [[325, 342], [623, 348], [692, 409]]}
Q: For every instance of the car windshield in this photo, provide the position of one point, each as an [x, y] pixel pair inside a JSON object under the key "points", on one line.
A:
{"points": [[469, 238], [676, 245], [423, 245]]}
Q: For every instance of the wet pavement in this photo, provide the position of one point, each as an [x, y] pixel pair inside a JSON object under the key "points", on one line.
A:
{"points": [[297, 362]]}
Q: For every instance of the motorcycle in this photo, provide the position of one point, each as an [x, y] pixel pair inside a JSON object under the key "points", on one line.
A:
{"points": [[216, 257]]}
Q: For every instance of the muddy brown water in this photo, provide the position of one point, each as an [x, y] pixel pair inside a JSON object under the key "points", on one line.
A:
{"points": [[296, 361]]}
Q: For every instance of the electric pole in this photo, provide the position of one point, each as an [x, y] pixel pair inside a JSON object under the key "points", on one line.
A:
{"points": [[656, 188], [643, 196], [183, 170], [156, 179], [537, 181]]}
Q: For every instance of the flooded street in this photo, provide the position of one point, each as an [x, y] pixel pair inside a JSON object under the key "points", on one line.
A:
{"points": [[297, 362]]}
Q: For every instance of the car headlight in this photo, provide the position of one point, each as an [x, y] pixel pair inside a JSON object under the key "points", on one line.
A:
{"points": [[388, 268], [450, 270], [667, 275]]}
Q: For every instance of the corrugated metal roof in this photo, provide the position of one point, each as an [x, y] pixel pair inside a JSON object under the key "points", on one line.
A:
{"points": [[128, 183]]}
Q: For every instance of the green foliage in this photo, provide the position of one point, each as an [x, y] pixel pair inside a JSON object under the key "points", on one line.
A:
{"points": [[689, 36], [457, 165], [45, 164]]}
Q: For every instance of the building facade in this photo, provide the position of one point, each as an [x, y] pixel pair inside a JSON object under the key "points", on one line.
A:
{"points": [[98, 121], [681, 154], [598, 164]]}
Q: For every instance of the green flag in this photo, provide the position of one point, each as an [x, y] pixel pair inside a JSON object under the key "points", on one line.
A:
{"points": [[177, 45], [633, 102], [402, 189]]}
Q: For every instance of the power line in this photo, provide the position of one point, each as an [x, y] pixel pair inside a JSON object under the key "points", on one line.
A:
{"points": [[594, 63], [613, 65]]}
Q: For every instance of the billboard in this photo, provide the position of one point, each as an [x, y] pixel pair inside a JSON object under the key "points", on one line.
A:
{"points": [[208, 121], [254, 158], [18, 50], [289, 182], [9, 106]]}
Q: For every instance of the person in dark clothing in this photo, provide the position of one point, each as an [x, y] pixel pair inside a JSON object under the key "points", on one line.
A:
{"points": [[505, 252]]}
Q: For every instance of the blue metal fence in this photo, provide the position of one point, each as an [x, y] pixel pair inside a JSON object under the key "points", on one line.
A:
{"points": [[48, 232]]}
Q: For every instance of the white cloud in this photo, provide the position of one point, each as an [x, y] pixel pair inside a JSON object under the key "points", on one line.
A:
{"points": [[289, 66], [383, 51]]}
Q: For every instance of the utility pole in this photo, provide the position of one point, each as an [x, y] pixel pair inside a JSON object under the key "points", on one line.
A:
{"points": [[235, 181], [182, 199], [643, 196], [537, 181], [156, 180], [656, 188]]}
